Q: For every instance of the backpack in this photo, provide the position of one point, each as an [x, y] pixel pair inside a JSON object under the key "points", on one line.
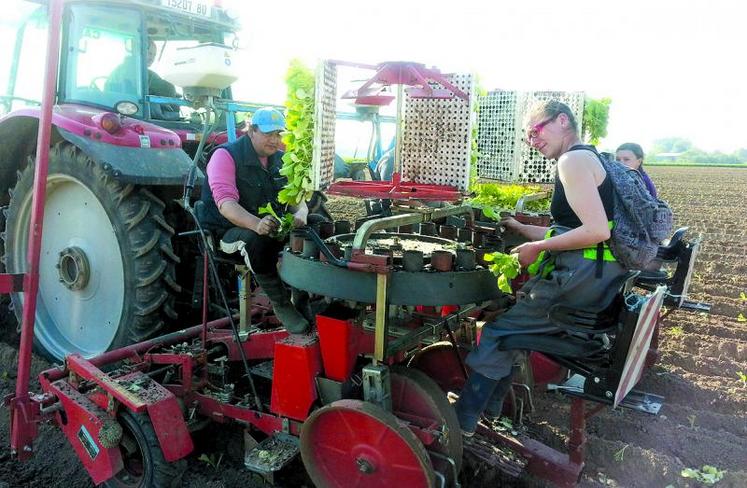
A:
{"points": [[641, 221]]}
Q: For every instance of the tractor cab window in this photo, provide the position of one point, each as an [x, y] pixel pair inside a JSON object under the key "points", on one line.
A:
{"points": [[24, 31], [104, 61]]}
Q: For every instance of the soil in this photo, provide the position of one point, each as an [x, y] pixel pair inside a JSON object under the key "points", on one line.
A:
{"points": [[701, 423]]}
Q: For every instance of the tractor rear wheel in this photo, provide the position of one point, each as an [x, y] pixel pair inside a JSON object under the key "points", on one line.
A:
{"points": [[106, 273], [356, 443], [144, 464]]}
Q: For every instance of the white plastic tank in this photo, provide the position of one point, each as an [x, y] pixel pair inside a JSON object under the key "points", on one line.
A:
{"points": [[208, 65]]}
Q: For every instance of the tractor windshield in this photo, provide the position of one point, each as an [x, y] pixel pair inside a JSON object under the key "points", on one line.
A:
{"points": [[104, 56]]}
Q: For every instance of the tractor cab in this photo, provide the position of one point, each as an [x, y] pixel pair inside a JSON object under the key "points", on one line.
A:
{"points": [[116, 52]]}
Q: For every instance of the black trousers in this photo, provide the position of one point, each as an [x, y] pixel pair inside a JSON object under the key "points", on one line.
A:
{"points": [[263, 251]]}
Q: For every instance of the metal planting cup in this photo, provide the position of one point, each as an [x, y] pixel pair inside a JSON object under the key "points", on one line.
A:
{"points": [[427, 229], [442, 260], [310, 249], [342, 227], [413, 261], [465, 259], [448, 232]]}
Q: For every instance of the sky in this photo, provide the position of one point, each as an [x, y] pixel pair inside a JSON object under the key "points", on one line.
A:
{"points": [[671, 68]]}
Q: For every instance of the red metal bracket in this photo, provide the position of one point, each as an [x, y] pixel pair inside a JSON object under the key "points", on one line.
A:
{"points": [[11, 283]]}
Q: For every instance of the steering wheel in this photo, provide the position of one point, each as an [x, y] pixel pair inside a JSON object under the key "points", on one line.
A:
{"points": [[95, 83]]}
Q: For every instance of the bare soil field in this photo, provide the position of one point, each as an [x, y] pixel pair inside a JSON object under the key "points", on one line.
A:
{"points": [[703, 421]]}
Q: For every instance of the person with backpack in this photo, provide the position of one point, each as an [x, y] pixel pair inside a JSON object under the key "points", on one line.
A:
{"points": [[631, 155], [571, 263]]}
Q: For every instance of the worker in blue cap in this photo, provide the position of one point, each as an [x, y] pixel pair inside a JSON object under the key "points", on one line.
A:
{"points": [[243, 176]]}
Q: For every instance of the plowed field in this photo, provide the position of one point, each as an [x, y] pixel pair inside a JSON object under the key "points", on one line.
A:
{"points": [[703, 421]]}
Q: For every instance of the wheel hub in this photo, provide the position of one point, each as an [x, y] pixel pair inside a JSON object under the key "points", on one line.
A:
{"points": [[73, 268], [364, 466]]}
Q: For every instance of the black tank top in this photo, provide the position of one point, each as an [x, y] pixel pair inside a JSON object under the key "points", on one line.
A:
{"points": [[562, 213]]}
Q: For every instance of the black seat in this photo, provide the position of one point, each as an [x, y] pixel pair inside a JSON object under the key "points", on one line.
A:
{"points": [[221, 257], [671, 250], [680, 254]]}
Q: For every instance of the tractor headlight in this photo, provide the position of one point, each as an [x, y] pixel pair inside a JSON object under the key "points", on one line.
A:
{"points": [[126, 107]]}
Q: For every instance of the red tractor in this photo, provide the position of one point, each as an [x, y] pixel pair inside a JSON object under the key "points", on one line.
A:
{"points": [[109, 253], [362, 399]]}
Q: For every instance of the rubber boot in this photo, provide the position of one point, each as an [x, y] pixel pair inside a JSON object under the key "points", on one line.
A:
{"points": [[495, 404], [291, 319], [472, 401]]}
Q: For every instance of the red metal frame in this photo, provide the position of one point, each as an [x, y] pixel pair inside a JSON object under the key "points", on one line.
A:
{"points": [[395, 190], [23, 418]]}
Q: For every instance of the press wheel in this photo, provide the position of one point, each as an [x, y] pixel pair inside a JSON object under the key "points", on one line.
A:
{"points": [[417, 399], [439, 362], [352, 443]]}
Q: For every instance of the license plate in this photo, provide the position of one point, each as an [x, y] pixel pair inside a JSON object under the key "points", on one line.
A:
{"points": [[190, 6]]}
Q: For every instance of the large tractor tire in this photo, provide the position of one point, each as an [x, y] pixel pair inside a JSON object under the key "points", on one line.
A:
{"points": [[106, 273], [144, 464]]}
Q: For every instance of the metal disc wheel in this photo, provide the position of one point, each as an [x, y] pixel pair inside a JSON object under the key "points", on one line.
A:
{"points": [[352, 443], [144, 464], [439, 362], [417, 399], [106, 273]]}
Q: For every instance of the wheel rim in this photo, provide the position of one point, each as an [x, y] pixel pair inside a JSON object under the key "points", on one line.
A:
{"points": [[81, 271], [417, 399], [439, 363], [351, 443]]}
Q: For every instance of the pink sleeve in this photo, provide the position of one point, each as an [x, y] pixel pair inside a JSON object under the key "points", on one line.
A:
{"points": [[221, 172]]}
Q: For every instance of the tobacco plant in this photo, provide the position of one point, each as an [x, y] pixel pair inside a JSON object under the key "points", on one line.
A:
{"points": [[299, 138], [505, 267], [285, 222]]}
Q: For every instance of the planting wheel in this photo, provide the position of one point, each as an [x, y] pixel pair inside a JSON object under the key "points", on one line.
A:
{"points": [[106, 272], [352, 443], [417, 399], [144, 464], [439, 362]]}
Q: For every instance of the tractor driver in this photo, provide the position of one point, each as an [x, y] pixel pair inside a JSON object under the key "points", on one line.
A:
{"points": [[568, 270], [157, 86], [243, 176]]}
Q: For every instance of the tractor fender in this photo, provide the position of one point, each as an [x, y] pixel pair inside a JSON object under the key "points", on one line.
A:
{"points": [[140, 166], [129, 159]]}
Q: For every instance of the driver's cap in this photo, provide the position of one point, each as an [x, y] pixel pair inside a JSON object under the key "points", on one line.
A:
{"points": [[268, 119]]}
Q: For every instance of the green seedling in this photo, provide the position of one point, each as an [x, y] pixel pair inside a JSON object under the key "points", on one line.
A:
{"points": [[505, 267], [285, 223], [691, 419], [676, 331], [708, 475], [212, 460], [743, 378], [741, 318], [742, 297], [620, 455]]}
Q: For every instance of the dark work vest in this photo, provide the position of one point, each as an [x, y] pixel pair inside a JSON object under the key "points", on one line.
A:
{"points": [[257, 186], [561, 211]]}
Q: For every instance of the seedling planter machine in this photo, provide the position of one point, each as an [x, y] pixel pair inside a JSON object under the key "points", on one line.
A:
{"points": [[396, 303]]}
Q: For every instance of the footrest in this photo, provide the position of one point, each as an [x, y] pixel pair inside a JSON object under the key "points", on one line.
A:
{"points": [[272, 454], [263, 370], [696, 306], [634, 400]]}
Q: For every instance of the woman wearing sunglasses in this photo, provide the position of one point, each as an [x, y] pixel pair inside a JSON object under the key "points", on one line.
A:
{"points": [[570, 263]]}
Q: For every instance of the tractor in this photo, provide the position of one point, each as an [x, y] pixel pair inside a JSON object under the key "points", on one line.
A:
{"points": [[110, 256], [363, 398]]}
